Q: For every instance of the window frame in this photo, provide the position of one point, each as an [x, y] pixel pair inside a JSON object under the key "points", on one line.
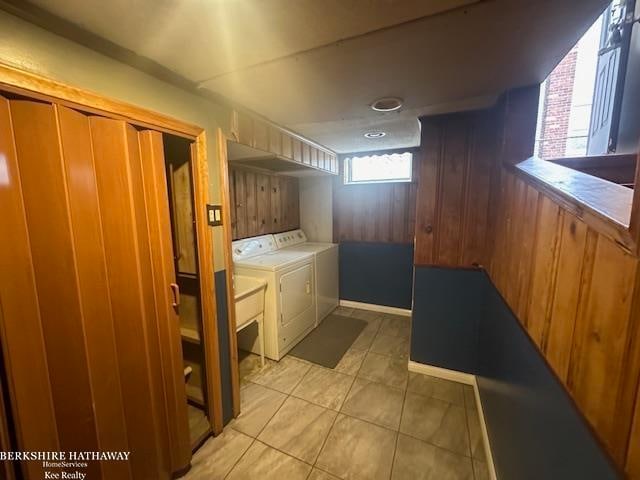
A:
{"points": [[347, 168]]}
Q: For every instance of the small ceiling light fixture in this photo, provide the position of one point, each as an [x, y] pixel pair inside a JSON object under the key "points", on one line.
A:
{"points": [[387, 104], [374, 134]]}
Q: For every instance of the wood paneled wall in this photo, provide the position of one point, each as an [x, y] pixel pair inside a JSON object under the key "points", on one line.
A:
{"points": [[375, 212], [573, 286], [262, 203], [575, 292], [458, 155]]}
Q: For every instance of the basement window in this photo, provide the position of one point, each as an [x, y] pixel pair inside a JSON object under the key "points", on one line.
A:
{"points": [[394, 167]]}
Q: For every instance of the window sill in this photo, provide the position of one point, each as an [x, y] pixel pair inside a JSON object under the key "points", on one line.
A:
{"points": [[603, 205]]}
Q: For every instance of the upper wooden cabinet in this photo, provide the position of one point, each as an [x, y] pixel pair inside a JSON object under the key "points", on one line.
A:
{"points": [[257, 133]]}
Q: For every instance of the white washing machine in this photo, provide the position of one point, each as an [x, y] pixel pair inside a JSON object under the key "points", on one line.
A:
{"points": [[290, 299], [326, 267]]}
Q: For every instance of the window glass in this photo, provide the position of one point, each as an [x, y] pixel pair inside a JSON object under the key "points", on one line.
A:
{"points": [[395, 167]]}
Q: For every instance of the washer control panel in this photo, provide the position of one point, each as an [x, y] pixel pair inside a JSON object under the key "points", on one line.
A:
{"points": [[288, 239]]}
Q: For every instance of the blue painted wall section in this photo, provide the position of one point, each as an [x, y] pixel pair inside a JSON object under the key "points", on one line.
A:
{"points": [[448, 305], [223, 339], [461, 322], [378, 273]]}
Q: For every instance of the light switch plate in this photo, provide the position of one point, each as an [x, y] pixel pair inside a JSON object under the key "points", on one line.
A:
{"points": [[214, 215]]}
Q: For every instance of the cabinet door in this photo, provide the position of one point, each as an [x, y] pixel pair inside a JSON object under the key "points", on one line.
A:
{"points": [[263, 196], [276, 205], [251, 204]]}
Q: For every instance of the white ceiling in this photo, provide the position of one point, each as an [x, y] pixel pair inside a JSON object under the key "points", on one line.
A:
{"points": [[314, 66]]}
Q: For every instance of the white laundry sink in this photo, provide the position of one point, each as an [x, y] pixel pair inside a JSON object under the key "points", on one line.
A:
{"points": [[249, 296], [249, 299]]}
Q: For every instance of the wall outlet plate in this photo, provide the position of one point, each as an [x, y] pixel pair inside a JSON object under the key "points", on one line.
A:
{"points": [[214, 215]]}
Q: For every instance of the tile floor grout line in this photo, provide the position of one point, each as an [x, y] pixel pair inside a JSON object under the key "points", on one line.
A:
{"points": [[466, 417], [434, 445], [253, 440], [336, 419], [339, 410], [395, 448]]}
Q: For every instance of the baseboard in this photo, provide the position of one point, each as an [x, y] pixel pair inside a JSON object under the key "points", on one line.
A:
{"points": [[467, 379], [375, 308], [485, 433], [445, 373]]}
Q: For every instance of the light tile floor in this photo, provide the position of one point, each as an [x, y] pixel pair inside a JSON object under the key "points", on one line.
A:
{"points": [[368, 418]]}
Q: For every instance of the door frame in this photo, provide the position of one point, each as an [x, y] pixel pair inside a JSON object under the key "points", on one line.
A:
{"points": [[34, 86], [228, 266]]}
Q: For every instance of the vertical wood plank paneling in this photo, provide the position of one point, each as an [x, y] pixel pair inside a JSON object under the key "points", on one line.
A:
{"points": [[276, 205], [102, 356], [52, 249], [581, 294], [296, 148], [22, 333], [294, 199], [258, 209], [275, 140], [232, 202], [250, 202], [263, 199], [384, 211], [245, 129], [399, 213], [287, 146], [478, 186], [260, 135], [543, 274], [427, 193], [602, 333], [451, 193], [559, 337], [112, 150], [284, 203], [241, 203], [306, 154], [376, 212], [528, 243]]}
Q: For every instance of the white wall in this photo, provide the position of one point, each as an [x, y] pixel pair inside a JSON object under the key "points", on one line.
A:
{"points": [[316, 207], [30, 48]]}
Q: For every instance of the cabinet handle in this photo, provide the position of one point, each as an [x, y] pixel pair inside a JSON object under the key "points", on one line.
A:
{"points": [[175, 291], [428, 229]]}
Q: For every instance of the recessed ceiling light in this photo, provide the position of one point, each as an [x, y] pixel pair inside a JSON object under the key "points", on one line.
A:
{"points": [[374, 134], [387, 104]]}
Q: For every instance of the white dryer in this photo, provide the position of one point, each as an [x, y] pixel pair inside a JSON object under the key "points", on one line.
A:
{"points": [[325, 256], [290, 299]]}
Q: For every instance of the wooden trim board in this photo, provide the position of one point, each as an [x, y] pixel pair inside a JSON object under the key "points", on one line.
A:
{"points": [[467, 379], [376, 308], [41, 88], [228, 265]]}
